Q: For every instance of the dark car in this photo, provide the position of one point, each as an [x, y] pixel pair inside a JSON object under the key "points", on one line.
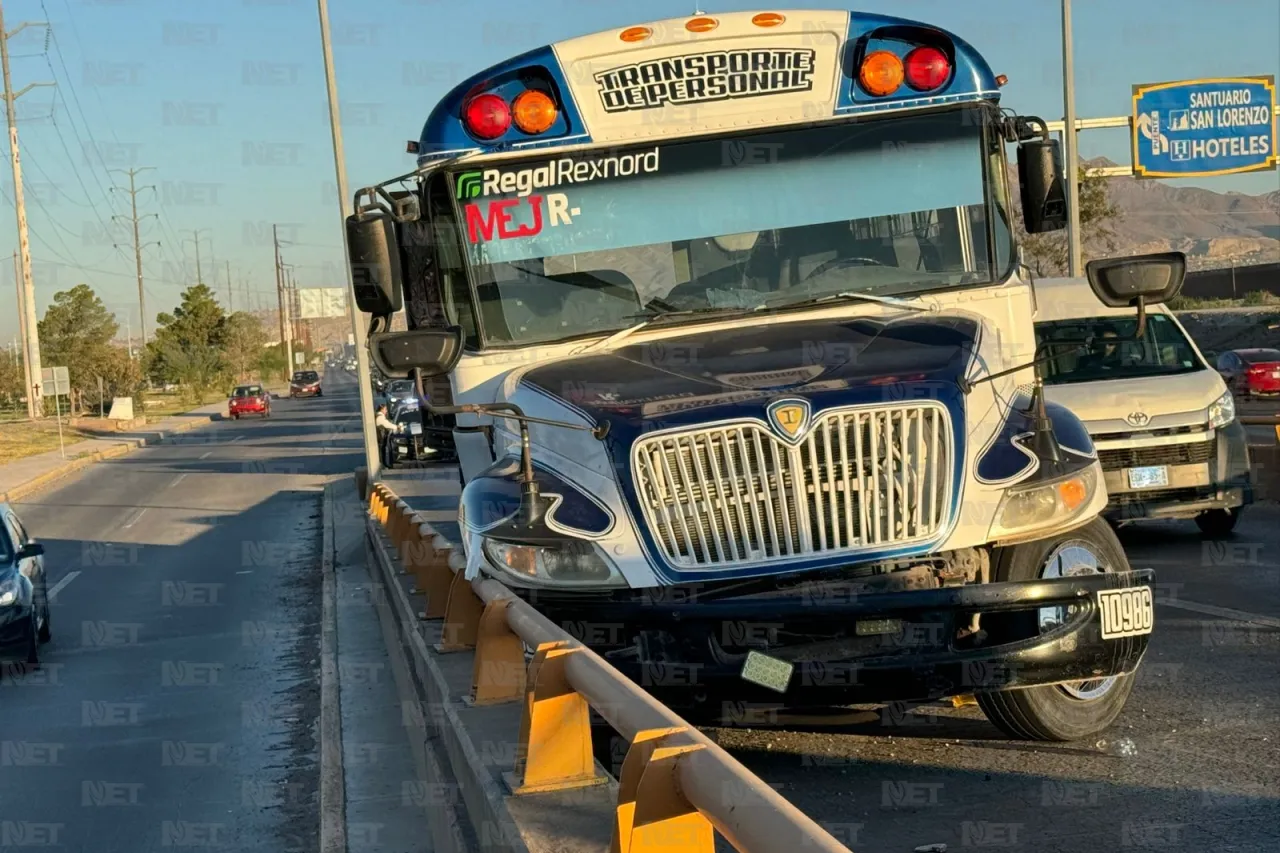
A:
{"points": [[24, 592], [305, 383], [1251, 372], [249, 400]]}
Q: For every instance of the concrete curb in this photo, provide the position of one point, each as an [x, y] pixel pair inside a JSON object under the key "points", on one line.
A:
{"points": [[121, 448], [483, 798], [333, 807]]}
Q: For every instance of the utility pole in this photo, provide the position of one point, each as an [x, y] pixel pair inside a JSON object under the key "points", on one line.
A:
{"points": [[22, 328], [138, 245], [195, 237], [1070, 139], [35, 406], [230, 293], [286, 339], [372, 460]]}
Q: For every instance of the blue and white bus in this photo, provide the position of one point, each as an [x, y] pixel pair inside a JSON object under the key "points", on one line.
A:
{"points": [[726, 322]]}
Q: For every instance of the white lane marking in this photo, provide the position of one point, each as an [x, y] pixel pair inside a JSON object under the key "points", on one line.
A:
{"points": [[137, 517], [206, 454], [246, 572], [177, 480], [62, 584], [1223, 613]]}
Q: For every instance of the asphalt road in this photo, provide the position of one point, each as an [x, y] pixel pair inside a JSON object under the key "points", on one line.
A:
{"points": [[178, 703], [1201, 729]]}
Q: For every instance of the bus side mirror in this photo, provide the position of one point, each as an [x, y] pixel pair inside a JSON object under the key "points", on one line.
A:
{"points": [[374, 257], [1044, 195], [433, 350], [1137, 281]]}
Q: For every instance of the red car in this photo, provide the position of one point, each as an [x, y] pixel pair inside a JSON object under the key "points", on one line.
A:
{"points": [[1251, 372], [249, 400], [305, 383]]}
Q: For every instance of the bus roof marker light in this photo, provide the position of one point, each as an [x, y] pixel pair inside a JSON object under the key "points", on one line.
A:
{"points": [[768, 19], [486, 116], [632, 34], [701, 25], [533, 111], [881, 73], [1002, 80], [927, 68]]}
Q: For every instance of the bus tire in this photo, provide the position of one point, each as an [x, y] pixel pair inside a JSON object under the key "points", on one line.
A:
{"points": [[1059, 712]]}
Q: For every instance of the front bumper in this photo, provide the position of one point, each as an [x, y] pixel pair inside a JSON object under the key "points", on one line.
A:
{"points": [[1223, 482], [15, 632], [304, 392], [704, 643]]}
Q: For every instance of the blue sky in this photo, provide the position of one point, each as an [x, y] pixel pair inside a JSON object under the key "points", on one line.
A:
{"points": [[226, 101]]}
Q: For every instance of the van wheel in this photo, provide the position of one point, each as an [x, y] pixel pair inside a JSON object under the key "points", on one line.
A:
{"points": [[1218, 523], [1079, 709]]}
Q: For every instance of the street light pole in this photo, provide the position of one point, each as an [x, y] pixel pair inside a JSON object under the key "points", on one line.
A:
{"points": [[371, 459], [1070, 137]]}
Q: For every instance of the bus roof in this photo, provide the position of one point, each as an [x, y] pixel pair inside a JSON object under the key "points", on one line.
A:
{"points": [[671, 83]]}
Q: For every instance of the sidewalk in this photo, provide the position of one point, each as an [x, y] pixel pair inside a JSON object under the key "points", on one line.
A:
{"points": [[23, 476]]}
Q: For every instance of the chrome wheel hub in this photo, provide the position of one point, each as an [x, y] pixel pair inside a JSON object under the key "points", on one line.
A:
{"points": [[1070, 559]]}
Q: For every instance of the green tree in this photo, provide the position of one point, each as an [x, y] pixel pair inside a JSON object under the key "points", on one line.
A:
{"points": [[1046, 254], [187, 348], [242, 345], [12, 381], [76, 333]]}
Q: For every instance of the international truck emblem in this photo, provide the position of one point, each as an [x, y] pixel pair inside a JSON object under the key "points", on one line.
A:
{"points": [[790, 418], [1138, 419]]}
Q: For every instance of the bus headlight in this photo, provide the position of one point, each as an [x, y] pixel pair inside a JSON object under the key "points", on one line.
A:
{"points": [[1051, 504], [1222, 411], [571, 563]]}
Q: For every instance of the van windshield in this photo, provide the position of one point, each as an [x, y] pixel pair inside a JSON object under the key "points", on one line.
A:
{"points": [[1164, 350], [579, 245]]}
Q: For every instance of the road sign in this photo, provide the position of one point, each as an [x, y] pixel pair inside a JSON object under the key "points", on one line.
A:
{"points": [[299, 358], [316, 303], [54, 380], [1202, 128]]}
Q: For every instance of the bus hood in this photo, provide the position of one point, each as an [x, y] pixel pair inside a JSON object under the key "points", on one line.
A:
{"points": [[711, 376]]}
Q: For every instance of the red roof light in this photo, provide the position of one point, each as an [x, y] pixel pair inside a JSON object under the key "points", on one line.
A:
{"points": [[486, 116], [927, 68]]}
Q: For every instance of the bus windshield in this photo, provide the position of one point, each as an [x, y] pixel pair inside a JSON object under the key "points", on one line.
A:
{"points": [[1163, 350], [585, 244]]}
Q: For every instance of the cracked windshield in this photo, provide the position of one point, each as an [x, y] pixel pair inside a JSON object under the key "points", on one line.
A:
{"points": [[423, 422]]}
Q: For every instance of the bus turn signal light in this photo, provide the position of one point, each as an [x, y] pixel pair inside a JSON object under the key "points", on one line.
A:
{"points": [[882, 73], [534, 111], [486, 116]]}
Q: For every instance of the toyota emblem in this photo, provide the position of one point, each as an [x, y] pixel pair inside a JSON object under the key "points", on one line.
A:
{"points": [[1138, 419]]}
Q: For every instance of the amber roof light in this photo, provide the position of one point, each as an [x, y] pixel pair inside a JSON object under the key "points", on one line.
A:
{"points": [[701, 25], [631, 34], [768, 19]]}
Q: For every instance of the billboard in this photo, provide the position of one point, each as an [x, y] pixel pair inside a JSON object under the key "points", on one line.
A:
{"points": [[1203, 128], [315, 303]]}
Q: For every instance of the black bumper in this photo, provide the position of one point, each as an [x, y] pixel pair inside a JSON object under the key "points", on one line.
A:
{"points": [[15, 632], [922, 660], [1231, 487]]}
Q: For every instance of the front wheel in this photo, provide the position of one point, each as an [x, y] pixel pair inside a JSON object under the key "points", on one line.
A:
{"points": [[1078, 709], [1218, 523]]}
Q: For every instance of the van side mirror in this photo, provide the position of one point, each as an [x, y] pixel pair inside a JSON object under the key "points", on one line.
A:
{"points": [[31, 550], [433, 350], [1139, 280], [374, 257], [1044, 195]]}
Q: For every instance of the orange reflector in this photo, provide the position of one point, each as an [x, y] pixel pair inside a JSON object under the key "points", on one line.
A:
{"points": [[882, 73], [534, 111], [1002, 80], [635, 34], [701, 25], [767, 19], [1072, 493]]}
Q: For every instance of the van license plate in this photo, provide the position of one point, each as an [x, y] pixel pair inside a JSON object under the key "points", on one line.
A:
{"points": [[1149, 478], [767, 672], [1126, 612], [416, 429]]}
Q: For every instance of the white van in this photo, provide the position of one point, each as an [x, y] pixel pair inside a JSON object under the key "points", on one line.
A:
{"points": [[1161, 418]]}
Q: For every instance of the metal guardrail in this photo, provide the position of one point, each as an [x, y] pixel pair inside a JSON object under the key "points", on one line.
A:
{"points": [[676, 788]]}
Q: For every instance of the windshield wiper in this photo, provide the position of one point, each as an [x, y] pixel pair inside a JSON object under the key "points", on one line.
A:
{"points": [[656, 316], [897, 302]]}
